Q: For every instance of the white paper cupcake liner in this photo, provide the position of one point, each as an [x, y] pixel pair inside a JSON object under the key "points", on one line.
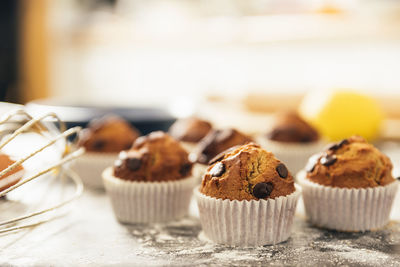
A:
{"points": [[247, 223], [346, 209], [91, 165], [295, 156], [148, 202]]}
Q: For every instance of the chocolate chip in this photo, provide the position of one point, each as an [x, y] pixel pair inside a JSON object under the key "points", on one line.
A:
{"points": [[282, 170], [398, 178], [133, 163], [185, 169], [217, 170], [217, 158], [336, 146], [343, 142], [328, 160], [262, 190], [98, 144]]}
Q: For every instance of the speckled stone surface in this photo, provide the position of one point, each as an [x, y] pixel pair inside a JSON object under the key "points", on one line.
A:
{"points": [[89, 235]]}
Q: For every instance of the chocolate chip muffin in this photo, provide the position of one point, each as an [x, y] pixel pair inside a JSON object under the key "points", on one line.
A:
{"points": [[351, 163], [217, 141], [109, 134], [291, 128], [348, 187], [151, 182], [153, 158], [190, 130], [247, 172]]}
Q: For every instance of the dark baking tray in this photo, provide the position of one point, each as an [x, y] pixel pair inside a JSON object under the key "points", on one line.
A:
{"points": [[146, 119]]}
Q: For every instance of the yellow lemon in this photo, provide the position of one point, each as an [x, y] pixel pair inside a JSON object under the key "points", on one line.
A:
{"points": [[339, 114]]}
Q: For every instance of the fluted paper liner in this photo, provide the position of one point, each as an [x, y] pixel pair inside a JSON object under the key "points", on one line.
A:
{"points": [[148, 202], [346, 209], [247, 223], [91, 165], [294, 155]]}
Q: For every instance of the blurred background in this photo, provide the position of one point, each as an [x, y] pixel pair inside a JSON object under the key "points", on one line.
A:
{"points": [[187, 54]]}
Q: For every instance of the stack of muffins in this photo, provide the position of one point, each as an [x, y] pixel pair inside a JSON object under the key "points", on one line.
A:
{"points": [[247, 196]]}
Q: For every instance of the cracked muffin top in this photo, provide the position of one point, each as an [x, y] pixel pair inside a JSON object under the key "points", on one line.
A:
{"points": [[153, 158], [291, 128], [351, 163], [247, 172], [108, 134], [190, 130], [218, 141]]}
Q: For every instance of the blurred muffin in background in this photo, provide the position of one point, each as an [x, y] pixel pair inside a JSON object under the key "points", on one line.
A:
{"points": [[218, 141], [214, 143], [292, 140], [189, 131], [109, 134], [291, 128], [103, 139]]}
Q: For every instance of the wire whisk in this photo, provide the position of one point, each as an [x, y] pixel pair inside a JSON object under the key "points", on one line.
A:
{"points": [[54, 130]]}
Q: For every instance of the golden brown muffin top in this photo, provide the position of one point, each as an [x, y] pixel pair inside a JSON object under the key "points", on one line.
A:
{"points": [[290, 127], [351, 163], [108, 134], [153, 158], [247, 172], [218, 141], [190, 129]]}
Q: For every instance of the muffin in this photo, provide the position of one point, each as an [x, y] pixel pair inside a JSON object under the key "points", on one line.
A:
{"points": [[151, 182], [215, 142], [109, 134], [349, 187], [291, 128], [218, 141], [190, 131], [292, 140], [13, 176], [103, 140], [247, 198]]}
